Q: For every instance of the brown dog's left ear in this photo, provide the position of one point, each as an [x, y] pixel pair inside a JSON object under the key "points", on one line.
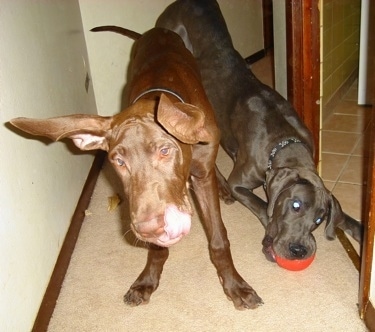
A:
{"points": [[183, 121], [337, 218]]}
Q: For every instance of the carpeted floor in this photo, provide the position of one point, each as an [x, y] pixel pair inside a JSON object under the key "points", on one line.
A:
{"points": [[190, 298]]}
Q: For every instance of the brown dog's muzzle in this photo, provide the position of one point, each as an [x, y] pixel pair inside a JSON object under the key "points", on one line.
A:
{"points": [[164, 230]]}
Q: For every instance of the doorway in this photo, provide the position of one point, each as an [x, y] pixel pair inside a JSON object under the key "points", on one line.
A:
{"points": [[303, 63]]}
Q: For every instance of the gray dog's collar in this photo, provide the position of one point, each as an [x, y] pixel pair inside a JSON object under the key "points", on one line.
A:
{"points": [[279, 147], [158, 90]]}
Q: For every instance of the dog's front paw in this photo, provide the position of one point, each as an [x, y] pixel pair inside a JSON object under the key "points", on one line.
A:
{"points": [[225, 195], [138, 295], [242, 295], [227, 199]]}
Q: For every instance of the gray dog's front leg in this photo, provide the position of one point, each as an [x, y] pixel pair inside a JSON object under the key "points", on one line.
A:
{"points": [[254, 203], [229, 191], [225, 193]]}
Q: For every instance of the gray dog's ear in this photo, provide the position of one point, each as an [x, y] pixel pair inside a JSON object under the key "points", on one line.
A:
{"points": [[277, 181], [337, 218], [312, 177]]}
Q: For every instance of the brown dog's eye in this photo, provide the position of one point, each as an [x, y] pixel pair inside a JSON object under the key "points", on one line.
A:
{"points": [[120, 162], [296, 206], [164, 151]]}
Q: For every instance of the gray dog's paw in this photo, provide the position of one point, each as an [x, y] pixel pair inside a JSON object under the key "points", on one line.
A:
{"points": [[225, 195], [228, 200]]}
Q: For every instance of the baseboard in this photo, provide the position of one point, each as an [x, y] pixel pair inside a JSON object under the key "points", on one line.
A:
{"points": [[53, 290], [255, 57], [370, 317]]}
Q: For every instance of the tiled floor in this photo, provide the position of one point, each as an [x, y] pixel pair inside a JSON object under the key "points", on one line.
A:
{"points": [[345, 152]]}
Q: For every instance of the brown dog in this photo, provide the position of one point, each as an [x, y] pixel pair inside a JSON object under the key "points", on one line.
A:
{"points": [[167, 135]]}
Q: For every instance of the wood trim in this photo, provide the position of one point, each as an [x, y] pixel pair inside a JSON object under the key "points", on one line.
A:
{"points": [[303, 62], [369, 233], [255, 57], [370, 317], [366, 308], [53, 290]]}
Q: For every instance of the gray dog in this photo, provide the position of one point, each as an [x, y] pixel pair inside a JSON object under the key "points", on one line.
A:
{"points": [[263, 135]]}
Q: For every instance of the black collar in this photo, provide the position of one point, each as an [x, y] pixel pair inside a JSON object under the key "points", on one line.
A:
{"points": [[279, 147], [158, 90]]}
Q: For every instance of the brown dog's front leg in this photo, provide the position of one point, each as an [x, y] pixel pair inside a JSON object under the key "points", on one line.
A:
{"points": [[147, 282], [235, 287]]}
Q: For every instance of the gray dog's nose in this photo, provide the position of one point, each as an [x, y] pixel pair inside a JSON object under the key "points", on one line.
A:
{"points": [[297, 250]]}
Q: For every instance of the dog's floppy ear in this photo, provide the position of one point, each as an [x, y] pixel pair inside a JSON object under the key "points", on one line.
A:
{"points": [[277, 181], [312, 177], [183, 121], [88, 132], [337, 218]]}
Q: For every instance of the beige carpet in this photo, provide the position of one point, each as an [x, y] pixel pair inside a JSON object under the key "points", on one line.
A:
{"points": [[190, 298]]}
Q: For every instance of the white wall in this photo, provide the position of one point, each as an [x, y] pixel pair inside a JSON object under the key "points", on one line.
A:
{"points": [[279, 33], [42, 74], [244, 19], [109, 53]]}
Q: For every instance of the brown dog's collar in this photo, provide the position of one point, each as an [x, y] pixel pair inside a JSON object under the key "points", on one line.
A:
{"points": [[279, 147], [158, 90]]}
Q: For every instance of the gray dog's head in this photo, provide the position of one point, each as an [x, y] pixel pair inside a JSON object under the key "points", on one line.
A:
{"points": [[298, 203]]}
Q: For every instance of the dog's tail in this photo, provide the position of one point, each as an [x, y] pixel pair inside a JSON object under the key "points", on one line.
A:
{"points": [[122, 31]]}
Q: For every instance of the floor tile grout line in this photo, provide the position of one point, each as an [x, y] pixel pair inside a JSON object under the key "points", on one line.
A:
{"points": [[341, 172], [338, 131]]}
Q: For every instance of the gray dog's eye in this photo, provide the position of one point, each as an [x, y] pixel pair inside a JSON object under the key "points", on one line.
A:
{"points": [[296, 206], [318, 221]]}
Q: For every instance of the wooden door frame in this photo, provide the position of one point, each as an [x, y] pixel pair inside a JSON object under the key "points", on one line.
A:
{"points": [[366, 308], [303, 63], [303, 88]]}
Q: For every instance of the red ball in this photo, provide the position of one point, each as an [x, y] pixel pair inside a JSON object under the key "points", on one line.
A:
{"points": [[294, 264]]}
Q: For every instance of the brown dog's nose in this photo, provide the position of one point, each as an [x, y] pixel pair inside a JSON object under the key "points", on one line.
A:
{"points": [[297, 250]]}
